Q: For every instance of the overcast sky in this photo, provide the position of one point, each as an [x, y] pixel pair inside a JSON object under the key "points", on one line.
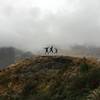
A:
{"points": [[33, 24]]}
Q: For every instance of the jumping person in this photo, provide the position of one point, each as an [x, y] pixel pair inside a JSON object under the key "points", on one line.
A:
{"points": [[56, 50], [51, 49]]}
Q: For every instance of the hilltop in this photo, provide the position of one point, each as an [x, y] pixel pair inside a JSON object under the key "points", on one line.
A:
{"points": [[51, 78]]}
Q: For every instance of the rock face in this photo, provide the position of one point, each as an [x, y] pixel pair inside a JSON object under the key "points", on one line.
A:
{"points": [[7, 56], [51, 78]]}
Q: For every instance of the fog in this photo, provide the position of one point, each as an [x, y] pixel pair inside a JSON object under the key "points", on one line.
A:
{"points": [[34, 24]]}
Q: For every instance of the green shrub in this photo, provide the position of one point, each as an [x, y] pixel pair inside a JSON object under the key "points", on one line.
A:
{"points": [[84, 68]]}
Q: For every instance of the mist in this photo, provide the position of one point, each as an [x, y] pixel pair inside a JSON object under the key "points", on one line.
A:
{"points": [[26, 25]]}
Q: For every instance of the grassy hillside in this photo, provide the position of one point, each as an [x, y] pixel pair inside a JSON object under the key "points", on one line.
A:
{"points": [[51, 78]]}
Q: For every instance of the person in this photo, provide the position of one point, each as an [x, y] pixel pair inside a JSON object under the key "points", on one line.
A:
{"points": [[56, 50], [51, 49], [46, 50]]}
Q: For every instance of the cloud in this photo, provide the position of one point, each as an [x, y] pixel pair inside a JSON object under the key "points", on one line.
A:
{"points": [[25, 25]]}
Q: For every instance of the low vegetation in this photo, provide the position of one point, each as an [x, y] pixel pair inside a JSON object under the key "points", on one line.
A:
{"points": [[51, 78]]}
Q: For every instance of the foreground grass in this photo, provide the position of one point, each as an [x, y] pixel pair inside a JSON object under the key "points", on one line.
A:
{"points": [[51, 78]]}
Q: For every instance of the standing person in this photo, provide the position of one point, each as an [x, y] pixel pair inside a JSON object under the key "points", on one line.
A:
{"points": [[46, 50]]}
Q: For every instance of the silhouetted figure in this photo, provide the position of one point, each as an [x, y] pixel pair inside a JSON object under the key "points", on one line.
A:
{"points": [[56, 50], [46, 50], [51, 49]]}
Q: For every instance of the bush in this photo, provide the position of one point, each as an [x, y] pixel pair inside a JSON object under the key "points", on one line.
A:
{"points": [[84, 68]]}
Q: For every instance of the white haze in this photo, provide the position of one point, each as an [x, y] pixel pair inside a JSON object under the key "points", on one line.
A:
{"points": [[34, 24]]}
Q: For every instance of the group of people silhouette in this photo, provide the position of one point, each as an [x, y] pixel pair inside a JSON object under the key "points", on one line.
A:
{"points": [[51, 50]]}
